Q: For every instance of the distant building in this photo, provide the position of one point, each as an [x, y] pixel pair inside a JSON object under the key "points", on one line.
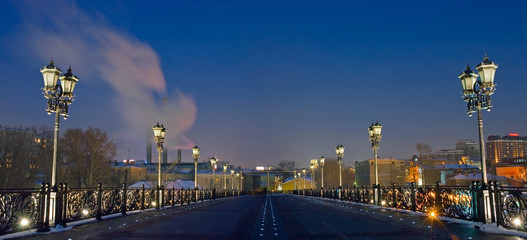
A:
{"points": [[291, 184], [390, 170], [509, 149]]}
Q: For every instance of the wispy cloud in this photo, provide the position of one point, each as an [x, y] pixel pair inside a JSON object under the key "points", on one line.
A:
{"points": [[127, 65]]}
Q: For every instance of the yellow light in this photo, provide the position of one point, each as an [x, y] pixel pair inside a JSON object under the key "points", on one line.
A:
{"points": [[85, 212], [432, 214], [383, 203], [154, 204], [517, 222], [24, 222]]}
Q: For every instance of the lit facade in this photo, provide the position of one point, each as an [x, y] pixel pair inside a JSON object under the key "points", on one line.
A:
{"points": [[507, 149]]}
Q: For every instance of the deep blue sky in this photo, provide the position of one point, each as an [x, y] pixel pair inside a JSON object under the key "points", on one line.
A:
{"points": [[256, 82]]}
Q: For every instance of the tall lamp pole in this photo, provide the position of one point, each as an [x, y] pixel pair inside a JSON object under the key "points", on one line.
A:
{"points": [[232, 180], [195, 156], [225, 177], [159, 137], [312, 166], [340, 154], [322, 162], [375, 137], [477, 92], [213, 161], [59, 96]]}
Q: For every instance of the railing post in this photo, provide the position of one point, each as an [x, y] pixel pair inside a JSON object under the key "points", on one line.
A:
{"points": [[412, 197], [394, 196], [438, 200], [491, 202], [162, 197], [99, 202], [42, 216], [65, 204], [123, 200], [142, 197], [498, 208], [173, 193]]}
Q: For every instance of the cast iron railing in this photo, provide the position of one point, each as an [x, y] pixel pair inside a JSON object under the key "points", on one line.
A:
{"points": [[23, 209], [507, 205]]}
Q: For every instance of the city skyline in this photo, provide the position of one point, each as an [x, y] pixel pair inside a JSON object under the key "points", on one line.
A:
{"points": [[254, 83]]}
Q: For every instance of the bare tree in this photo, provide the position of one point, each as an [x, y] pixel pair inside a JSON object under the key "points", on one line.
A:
{"points": [[24, 156], [286, 165], [331, 175], [87, 157]]}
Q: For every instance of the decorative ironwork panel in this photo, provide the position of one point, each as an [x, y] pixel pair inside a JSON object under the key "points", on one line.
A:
{"points": [[18, 210], [404, 198], [82, 204], [456, 203], [513, 208], [150, 198], [425, 199], [133, 199], [111, 201]]}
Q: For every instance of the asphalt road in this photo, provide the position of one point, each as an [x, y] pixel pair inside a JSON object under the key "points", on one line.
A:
{"points": [[271, 217]]}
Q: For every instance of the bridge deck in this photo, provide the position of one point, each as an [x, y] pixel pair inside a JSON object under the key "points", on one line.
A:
{"points": [[272, 217]]}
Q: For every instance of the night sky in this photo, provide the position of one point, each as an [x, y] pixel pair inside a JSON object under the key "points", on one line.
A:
{"points": [[257, 82]]}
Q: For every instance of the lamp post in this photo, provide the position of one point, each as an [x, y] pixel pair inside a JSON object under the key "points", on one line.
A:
{"points": [[322, 162], [159, 137], [340, 154], [59, 96], [312, 166], [375, 137], [237, 182], [304, 173], [294, 179], [232, 180], [477, 92], [225, 177], [195, 156], [213, 161]]}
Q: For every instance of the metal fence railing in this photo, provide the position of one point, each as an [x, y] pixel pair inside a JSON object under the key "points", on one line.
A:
{"points": [[39, 208], [505, 206]]}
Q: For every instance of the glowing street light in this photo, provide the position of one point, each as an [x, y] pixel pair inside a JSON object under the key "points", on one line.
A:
{"points": [[477, 92], [59, 96], [375, 137], [159, 137], [312, 166], [195, 156], [340, 154], [213, 161], [322, 162]]}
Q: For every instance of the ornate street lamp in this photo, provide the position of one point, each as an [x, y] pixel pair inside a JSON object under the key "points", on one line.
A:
{"points": [[159, 137], [374, 132], [195, 156], [304, 173], [232, 180], [312, 166], [225, 177], [340, 154], [213, 161], [59, 96], [477, 92], [322, 162], [237, 182]]}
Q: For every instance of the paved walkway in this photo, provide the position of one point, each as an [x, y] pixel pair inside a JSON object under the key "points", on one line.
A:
{"points": [[271, 217]]}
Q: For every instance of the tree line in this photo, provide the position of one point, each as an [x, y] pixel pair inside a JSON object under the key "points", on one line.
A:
{"points": [[84, 157]]}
